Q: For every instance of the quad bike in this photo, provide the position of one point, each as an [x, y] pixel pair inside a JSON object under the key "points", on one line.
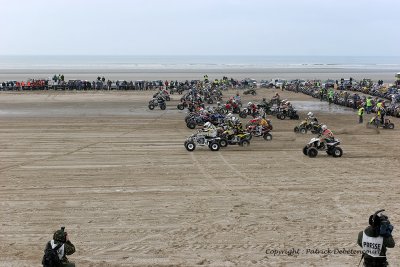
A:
{"points": [[305, 126], [265, 132], [331, 147], [160, 102], [250, 91], [291, 114], [164, 94], [196, 120], [234, 108], [229, 137], [198, 139], [183, 105], [375, 122], [246, 111]]}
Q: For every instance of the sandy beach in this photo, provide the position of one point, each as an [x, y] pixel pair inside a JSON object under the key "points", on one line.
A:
{"points": [[119, 178]]}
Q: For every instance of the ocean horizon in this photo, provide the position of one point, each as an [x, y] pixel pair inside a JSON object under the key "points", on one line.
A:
{"points": [[127, 62]]}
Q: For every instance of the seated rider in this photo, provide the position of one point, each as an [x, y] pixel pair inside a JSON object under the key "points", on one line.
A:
{"points": [[209, 130], [252, 107], [310, 118], [326, 135], [276, 98], [262, 124], [237, 98]]}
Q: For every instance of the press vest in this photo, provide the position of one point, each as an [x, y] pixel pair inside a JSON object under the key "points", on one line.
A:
{"points": [[372, 246]]}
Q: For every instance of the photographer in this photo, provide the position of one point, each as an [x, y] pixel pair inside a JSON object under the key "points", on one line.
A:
{"points": [[375, 239], [57, 249]]}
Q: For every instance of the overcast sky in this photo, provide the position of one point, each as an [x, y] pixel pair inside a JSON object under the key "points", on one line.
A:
{"points": [[200, 27]]}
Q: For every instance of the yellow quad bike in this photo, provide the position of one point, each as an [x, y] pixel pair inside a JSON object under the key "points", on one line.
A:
{"points": [[231, 137], [305, 126]]}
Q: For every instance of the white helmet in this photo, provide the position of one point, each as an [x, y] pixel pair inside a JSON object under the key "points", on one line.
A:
{"points": [[249, 104], [207, 124], [323, 127], [310, 114]]}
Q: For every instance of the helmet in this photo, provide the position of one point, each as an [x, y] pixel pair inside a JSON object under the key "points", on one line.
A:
{"points": [[59, 235], [323, 127], [310, 114], [218, 103], [249, 104], [207, 124]]}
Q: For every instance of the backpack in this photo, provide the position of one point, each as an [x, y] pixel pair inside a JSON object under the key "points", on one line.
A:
{"points": [[50, 257]]}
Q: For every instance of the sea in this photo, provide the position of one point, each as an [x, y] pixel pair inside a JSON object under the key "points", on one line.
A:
{"points": [[129, 62]]}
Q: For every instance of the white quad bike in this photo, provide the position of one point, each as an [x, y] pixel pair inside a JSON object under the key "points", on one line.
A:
{"points": [[198, 139], [332, 148]]}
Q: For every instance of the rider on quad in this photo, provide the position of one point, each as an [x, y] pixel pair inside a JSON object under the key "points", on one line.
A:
{"points": [[310, 118], [326, 135], [209, 130], [252, 108]]}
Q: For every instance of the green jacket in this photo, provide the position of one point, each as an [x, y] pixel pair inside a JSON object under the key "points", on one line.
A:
{"points": [[388, 242]]}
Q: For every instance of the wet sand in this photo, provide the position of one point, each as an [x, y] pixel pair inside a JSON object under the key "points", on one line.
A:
{"points": [[118, 177]]}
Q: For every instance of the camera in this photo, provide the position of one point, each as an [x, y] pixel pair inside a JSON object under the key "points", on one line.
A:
{"points": [[65, 234]]}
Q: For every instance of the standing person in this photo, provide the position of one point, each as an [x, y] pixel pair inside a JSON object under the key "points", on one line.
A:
{"points": [[375, 239], [360, 114], [331, 93], [369, 104], [58, 247]]}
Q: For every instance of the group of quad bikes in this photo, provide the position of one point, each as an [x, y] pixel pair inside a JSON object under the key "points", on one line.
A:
{"points": [[229, 131]]}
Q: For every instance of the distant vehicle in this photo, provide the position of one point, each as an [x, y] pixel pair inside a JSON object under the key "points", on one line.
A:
{"points": [[266, 84], [248, 82], [347, 84], [300, 81], [329, 84], [280, 83]]}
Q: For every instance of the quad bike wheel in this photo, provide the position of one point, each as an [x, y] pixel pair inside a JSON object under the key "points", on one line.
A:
{"points": [[190, 146], [244, 143], [214, 146], [296, 129], [223, 142], [191, 125], [281, 116], [151, 106], [168, 98], [180, 107], [390, 126], [210, 101], [337, 152], [267, 137], [163, 107], [305, 150], [303, 130], [312, 152]]}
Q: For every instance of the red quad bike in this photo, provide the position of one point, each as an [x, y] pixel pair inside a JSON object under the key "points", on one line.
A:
{"points": [[265, 132]]}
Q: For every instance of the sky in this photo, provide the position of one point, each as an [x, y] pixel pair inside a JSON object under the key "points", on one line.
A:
{"points": [[200, 27]]}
